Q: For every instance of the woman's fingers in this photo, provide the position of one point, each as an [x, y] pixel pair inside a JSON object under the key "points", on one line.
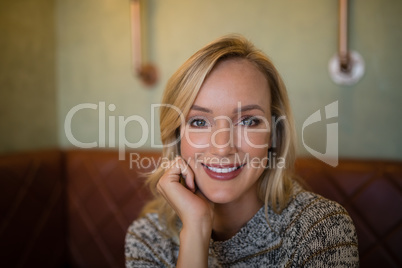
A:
{"points": [[178, 169], [170, 181], [192, 207], [177, 195], [186, 173]]}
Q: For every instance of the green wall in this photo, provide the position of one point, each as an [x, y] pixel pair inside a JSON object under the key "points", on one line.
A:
{"points": [[28, 109], [299, 36], [93, 64]]}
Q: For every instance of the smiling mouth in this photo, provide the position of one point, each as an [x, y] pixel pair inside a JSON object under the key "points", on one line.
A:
{"points": [[225, 172], [220, 169]]}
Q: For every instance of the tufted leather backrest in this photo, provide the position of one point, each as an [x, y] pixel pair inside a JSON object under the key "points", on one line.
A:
{"points": [[32, 212], [104, 195], [72, 208]]}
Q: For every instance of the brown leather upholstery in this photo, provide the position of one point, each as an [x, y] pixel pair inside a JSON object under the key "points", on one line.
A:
{"points": [[72, 209], [104, 195], [33, 216]]}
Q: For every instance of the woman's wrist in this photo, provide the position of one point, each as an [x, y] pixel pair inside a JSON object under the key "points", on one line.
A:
{"points": [[197, 233], [194, 246]]}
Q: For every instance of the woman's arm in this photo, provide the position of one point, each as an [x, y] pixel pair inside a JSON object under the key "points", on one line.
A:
{"points": [[193, 209]]}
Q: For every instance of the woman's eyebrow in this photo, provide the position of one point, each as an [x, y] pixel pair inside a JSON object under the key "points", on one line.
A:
{"points": [[248, 108], [202, 109], [236, 110]]}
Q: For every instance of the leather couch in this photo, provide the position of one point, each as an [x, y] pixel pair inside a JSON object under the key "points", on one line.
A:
{"points": [[72, 208]]}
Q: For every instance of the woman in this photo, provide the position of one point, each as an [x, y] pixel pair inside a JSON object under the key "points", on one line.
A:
{"points": [[228, 197]]}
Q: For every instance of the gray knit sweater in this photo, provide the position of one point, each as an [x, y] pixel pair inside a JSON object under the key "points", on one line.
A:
{"points": [[311, 232]]}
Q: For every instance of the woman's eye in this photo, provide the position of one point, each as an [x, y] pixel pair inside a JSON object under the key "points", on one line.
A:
{"points": [[198, 123], [250, 121]]}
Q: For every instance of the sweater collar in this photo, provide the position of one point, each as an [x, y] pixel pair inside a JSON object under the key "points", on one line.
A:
{"points": [[254, 238]]}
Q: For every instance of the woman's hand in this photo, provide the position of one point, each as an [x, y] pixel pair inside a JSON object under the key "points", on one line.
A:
{"points": [[194, 210]]}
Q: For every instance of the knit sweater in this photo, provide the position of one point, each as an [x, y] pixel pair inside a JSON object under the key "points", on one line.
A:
{"points": [[310, 232]]}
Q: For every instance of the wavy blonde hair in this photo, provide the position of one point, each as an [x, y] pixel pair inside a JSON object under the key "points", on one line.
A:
{"points": [[274, 185]]}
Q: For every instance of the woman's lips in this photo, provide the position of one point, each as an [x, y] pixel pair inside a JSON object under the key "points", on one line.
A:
{"points": [[223, 172]]}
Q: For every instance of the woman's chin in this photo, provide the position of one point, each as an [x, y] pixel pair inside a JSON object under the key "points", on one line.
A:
{"points": [[218, 197]]}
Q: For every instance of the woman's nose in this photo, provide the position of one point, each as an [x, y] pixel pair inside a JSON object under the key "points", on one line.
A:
{"points": [[222, 140]]}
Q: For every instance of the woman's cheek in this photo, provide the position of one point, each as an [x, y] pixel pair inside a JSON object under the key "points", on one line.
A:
{"points": [[194, 142], [255, 142]]}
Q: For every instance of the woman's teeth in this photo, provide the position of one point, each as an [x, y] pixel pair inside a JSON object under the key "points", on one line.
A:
{"points": [[222, 170]]}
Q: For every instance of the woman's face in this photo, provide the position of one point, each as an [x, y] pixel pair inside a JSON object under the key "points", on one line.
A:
{"points": [[227, 132]]}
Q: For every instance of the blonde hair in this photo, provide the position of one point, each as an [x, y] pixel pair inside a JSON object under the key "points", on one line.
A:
{"points": [[275, 185]]}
